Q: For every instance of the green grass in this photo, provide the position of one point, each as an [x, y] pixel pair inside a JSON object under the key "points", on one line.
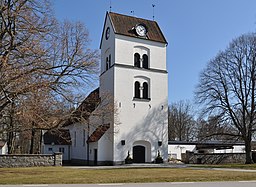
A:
{"points": [[60, 175]]}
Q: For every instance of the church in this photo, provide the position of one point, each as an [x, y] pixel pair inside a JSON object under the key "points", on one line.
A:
{"points": [[134, 78]]}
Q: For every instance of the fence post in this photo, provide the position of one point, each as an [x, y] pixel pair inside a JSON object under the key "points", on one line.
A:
{"points": [[57, 159]]}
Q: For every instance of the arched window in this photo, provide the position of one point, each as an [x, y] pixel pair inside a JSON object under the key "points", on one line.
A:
{"points": [[145, 90], [106, 63], [137, 89], [145, 61], [137, 60]]}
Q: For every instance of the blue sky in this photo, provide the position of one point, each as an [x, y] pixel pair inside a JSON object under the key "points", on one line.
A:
{"points": [[196, 30]]}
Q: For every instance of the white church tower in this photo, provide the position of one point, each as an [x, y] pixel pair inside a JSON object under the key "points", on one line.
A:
{"points": [[134, 72]]}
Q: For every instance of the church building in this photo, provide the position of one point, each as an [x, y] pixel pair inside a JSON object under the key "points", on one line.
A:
{"points": [[134, 74]]}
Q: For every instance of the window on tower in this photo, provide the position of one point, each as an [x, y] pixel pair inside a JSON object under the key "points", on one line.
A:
{"points": [[145, 61], [137, 60], [106, 63], [137, 89], [109, 60], [105, 66], [145, 91], [141, 57], [141, 88]]}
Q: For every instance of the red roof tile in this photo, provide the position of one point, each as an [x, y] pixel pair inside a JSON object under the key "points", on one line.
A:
{"points": [[98, 133], [124, 25]]}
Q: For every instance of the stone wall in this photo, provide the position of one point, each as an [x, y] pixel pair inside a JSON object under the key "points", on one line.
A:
{"points": [[214, 158], [30, 160]]}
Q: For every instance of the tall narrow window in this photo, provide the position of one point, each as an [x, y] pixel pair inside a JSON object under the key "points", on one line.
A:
{"points": [[106, 63], [137, 60], [136, 89], [145, 90], [62, 150], [109, 60], [84, 134], [75, 139], [145, 61]]}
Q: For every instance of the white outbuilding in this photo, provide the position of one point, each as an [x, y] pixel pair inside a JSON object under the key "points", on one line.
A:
{"points": [[3, 148]]}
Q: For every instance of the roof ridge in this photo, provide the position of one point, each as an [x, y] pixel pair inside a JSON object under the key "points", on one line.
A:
{"points": [[132, 16], [124, 25]]}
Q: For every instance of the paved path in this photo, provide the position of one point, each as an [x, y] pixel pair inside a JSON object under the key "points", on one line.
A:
{"points": [[158, 166]]}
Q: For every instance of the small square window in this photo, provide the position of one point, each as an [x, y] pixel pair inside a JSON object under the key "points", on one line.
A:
{"points": [[50, 149], [61, 149]]}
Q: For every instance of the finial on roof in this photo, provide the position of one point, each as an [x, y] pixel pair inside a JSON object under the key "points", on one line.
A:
{"points": [[153, 11], [110, 7], [132, 12]]}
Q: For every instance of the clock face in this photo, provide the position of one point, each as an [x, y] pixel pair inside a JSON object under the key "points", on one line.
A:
{"points": [[141, 30], [107, 34]]}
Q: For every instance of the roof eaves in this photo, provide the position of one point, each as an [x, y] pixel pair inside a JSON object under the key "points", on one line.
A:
{"points": [[161, 33], [112, 24], [165, 42], [103, 29]]}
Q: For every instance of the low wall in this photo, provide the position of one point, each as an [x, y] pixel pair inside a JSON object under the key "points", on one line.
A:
{"points": [[30, 160], [213, 158]]}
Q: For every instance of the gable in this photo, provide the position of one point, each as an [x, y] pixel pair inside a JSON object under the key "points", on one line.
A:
{"points": [[124, 25]]}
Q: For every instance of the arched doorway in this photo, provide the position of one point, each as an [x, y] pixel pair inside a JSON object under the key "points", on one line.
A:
{"points": [[139, 154]]}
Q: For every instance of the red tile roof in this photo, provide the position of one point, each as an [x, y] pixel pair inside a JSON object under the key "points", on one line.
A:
{"points": [[98, 133], [124, 25], [85, 109]]}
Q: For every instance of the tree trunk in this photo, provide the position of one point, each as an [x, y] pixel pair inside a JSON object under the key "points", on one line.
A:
{"points": [[10, 142], [11, 134], [32, 141], [248, 152]]}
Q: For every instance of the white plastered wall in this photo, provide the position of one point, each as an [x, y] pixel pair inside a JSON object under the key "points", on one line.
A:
{"points": [[145, 123], [141, 120]]}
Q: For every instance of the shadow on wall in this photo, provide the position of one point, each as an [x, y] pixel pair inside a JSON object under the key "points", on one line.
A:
{"points": [[153, 128]]}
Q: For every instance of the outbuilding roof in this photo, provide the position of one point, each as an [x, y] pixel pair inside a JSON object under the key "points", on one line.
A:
{"points": [[85, 109], [98, 133]]}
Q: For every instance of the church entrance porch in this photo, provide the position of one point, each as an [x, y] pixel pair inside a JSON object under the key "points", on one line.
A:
{"points": [[141, 152]]}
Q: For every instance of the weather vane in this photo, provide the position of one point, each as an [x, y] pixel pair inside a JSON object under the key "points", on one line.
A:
{"points": [[153, 11]]}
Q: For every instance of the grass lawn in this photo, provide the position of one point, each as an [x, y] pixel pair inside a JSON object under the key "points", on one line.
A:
{"points": [[58, 175]]}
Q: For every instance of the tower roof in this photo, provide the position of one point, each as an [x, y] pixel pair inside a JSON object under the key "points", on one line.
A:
{"points": [[124, 25]]}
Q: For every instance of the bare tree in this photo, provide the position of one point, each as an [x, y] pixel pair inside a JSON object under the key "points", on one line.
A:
{"points": [[40, 56], [38, 52], [227, 88], [214, 129], [181, 122]]}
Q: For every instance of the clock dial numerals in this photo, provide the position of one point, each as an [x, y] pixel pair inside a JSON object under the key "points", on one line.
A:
{"points": [[141, 30], [107, 34]]}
